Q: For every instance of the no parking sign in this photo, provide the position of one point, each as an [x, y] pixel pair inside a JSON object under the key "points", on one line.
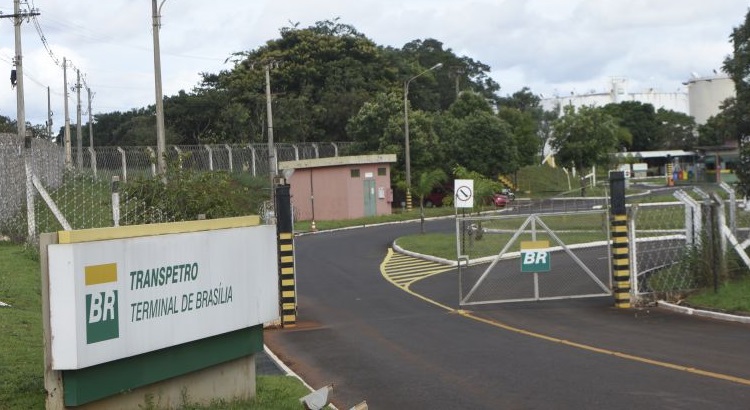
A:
{"points": [[463, 193]]}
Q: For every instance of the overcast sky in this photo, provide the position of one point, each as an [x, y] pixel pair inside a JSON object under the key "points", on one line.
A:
{"points": [[550, 46]]}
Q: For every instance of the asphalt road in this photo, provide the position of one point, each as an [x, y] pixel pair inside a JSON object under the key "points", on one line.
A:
{"points": [[401, 350]]}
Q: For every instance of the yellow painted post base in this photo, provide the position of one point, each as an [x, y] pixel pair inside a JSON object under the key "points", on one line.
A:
{"points": [[408, 201]]}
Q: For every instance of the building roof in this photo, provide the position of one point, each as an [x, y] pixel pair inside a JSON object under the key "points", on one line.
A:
{"points": [[657, 154], [338, 161]]}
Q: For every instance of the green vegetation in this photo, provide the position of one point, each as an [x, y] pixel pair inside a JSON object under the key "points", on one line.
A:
{"points": [[730, 297], [188, 194], [21, 354]]}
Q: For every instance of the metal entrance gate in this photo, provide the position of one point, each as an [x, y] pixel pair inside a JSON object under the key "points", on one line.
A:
{"points": [[533, 257]]}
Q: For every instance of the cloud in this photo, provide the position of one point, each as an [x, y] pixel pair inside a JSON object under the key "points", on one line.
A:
{"points": [[547, 45]]}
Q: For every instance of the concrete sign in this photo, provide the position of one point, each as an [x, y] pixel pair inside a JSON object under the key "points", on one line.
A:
{"points": [[111, 299]]}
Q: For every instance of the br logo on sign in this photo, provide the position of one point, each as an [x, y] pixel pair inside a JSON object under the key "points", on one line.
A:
{"points": [[102, 318]]}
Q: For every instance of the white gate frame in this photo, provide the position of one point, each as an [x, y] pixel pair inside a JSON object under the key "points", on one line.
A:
{"points": [[533, 219]]}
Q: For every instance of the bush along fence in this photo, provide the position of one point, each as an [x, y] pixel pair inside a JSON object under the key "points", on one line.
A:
{"points": [[698, 241], [46, 190]]}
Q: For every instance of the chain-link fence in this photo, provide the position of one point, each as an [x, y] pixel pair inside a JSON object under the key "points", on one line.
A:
{"points": [[78, 191], [697, 241]]}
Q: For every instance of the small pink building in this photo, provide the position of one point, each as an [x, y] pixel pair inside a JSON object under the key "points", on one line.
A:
{"points": [[340, 187]]}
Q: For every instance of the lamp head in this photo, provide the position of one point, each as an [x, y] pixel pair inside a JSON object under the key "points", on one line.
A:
{"points": [[436, 66]]}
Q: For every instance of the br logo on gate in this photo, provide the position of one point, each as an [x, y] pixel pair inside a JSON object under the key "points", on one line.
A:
{"points": [[535, 256], [102, 312]]}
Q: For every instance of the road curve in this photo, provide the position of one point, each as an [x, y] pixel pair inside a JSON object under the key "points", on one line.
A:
{"points": [[378, 342]]}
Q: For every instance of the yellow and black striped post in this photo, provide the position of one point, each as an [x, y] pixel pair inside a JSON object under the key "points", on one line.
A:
{"points": [[620, 245], [287, 281]]}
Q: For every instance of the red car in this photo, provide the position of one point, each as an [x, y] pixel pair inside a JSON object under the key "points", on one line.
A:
{"points": [[500, 200]]}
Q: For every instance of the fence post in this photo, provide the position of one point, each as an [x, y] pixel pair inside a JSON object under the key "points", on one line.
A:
{"points": [[124, 164], [210, 157], [693, 218], [116, 200], [335, 149], [317, 151], [619, 232], [229, 151], [296, 152], [252, 154], [152, 154], [92, 154], [284, 230], [30, 215], [634, 246], [732, 206]]}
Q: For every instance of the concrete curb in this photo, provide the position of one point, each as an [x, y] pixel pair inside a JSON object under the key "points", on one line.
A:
{"points": [[703, 313]]}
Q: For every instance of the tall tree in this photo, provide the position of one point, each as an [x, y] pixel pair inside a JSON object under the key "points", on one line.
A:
{"points": [[640, 120], [584, 138], [737, 110], [457, 74], [737, 66], [478, 139], [676, 130]]}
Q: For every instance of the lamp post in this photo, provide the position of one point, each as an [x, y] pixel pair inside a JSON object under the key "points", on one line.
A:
{"points": [[407, 153], [161, 147]]}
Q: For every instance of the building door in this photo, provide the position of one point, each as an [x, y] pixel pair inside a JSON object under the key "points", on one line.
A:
{"points": [[370, 209]]}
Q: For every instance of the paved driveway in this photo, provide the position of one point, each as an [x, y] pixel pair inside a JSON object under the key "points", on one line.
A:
{"points": [[378, 342]]}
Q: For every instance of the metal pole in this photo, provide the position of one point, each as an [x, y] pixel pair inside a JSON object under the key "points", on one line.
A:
{"points": [[91, 121], [79, 135], [271, 153], [49, 115], [407, 149], [21, 125], [407, 153], [68, 148], [161, 145]]}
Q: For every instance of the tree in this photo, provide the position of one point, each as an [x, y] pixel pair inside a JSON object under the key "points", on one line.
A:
{"points": [[423, 185], [584, 138], [478, 139], [525, 133], [640, 121], [737, 111], [322, 74], [676, 130], [737, 66], [457, 74]]}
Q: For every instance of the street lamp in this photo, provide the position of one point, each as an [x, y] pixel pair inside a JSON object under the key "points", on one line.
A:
{"points": [[161, 146], [406, 134]]}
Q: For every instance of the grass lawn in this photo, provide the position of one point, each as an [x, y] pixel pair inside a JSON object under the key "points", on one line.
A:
{"points": [[731, 297], [21, 350]]}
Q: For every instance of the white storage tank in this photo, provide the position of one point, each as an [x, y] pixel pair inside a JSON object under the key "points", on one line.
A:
{"points": [[706, 94]]}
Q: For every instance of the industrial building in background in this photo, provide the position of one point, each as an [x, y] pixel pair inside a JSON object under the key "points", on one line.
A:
{"points": [[701, 99]]}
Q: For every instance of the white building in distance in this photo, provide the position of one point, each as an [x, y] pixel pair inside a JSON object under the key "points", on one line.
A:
{"points": [[702, 99]]}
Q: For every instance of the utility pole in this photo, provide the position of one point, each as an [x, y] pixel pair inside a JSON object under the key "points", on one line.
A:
{"points": [[49, 115], [161, 145], [79, 136], [271, 153], [91, 121], [68, 150], [18, 17]]}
